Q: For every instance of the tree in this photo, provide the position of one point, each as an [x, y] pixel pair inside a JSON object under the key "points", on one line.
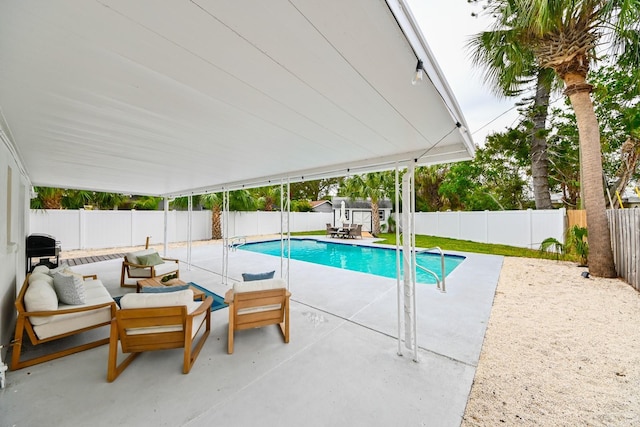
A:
{"points": [[494, 180], [146, 203], [239, 200], [317, 189], [617, 101], [511, 69], [373, 186], [48, 198], [428, 180], [563, 35], [564, 157], [267, 198]]}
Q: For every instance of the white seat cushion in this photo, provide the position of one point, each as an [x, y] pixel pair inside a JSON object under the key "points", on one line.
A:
{"points": [[169, 299], [160, 269], [258, 285], [95, 293]]}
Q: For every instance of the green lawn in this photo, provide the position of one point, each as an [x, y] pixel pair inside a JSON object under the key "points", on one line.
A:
{"points": [[464, 246]]}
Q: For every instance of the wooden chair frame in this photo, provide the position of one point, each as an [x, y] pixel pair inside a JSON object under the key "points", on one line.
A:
{"points": [[246, 300], [126, 273], [157, 317], [23, 324], [126, 265]]}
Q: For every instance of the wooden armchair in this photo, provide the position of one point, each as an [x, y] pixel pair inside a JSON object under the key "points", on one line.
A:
{"points": [[133, 268], [160, 321], [256, 304]]}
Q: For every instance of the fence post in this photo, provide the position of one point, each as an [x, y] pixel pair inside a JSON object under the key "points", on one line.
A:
{"points": [[530, 227], [81, 222], [486, 226], [131, 226]]}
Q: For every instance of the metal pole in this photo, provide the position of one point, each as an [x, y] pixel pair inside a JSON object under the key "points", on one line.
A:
{"points": [[166, 237], [412, 205], [225, 239], [189, 225], [398, 284]]}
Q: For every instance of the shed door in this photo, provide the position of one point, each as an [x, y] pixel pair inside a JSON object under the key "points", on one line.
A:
{"points": [[364, 218]]}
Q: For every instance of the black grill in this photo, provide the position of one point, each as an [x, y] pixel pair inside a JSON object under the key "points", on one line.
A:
{"points": [[42, 246]]}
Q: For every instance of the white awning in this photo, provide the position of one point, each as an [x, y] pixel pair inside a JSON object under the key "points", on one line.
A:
{"points": [[183, 97]]}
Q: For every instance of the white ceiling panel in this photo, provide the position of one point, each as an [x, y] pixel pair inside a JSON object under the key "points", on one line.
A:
{"points": [[171, 98]]}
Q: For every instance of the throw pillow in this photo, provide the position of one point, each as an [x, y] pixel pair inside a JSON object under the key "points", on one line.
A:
{"points": [[248, 277], [40, 269], [162, 289], [151, 259], [58, 269], [69, 288], [41, 276], [69, 271], [40, 296]]}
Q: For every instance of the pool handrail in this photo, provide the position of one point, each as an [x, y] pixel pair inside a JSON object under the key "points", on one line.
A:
{"points": [[443, 289], [430, 272], [236, 241]]}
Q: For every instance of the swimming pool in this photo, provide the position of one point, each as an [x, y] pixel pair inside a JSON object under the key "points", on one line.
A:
{"points": [[365, 259]]}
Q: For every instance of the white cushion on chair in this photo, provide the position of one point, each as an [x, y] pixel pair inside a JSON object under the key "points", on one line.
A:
{"points": [[40, 269], [160, 269], [132, 257], [95, 293], [258, 285], [40, 296], [41, 276], [168, 299], [176, 298]]}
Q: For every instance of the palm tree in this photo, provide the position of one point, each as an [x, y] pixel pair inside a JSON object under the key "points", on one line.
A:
{"points": [[48, 198], [239, 200], [511, 69], [374, 186], [563, 35]]}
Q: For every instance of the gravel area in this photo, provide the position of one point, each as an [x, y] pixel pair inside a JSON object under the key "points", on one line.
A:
{"points": [[560, 350]]}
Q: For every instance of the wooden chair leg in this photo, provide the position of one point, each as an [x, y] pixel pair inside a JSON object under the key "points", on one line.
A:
{"points": [[122, 276], [231, 329], [113, 369], [17, 344], [190, 355], [284, 326]]}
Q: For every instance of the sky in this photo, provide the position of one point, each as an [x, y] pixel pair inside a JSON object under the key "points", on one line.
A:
{"points": [[447, 26]]}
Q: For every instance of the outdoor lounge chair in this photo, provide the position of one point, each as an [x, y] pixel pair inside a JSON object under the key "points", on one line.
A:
{"points": [[158, 321], [256, 304], [147, 264], [43, 318]]}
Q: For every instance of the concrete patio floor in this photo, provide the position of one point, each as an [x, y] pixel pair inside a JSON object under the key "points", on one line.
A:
{"points": [[341, 367]]}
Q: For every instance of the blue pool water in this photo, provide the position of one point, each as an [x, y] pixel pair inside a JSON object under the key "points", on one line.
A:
{"points": [[379, 261]]}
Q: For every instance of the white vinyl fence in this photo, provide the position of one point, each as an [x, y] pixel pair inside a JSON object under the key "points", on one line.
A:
{"points": [[525, 229], [81, 229], [84, 229]]}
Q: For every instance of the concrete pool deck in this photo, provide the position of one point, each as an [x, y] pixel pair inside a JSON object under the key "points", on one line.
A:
{"points": [[341, 367]]}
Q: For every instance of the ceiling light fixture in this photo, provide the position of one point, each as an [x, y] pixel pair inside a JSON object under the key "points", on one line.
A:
{"points": [[419, 74]]}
